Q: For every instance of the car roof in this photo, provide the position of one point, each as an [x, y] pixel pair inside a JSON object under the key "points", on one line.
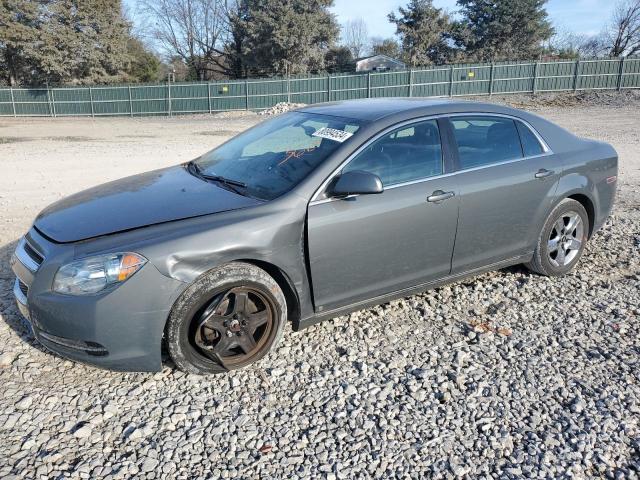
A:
{"points": [[372, 109]]}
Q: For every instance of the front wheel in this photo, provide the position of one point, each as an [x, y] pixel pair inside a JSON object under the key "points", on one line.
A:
{"points": [[227, 319], [562, 240]]}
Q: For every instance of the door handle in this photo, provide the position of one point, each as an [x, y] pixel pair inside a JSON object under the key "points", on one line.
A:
{"points": [[543, 173], [439, 196]]}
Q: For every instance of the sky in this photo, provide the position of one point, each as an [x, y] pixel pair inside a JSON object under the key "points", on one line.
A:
{"points": [[579, 16]]}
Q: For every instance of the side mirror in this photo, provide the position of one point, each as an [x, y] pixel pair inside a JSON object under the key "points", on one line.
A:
{"points": [[357, 182]]}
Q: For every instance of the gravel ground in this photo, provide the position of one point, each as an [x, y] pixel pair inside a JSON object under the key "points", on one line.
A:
{"points": [[507, 375]]}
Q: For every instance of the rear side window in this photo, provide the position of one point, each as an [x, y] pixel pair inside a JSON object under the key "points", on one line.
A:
{"points": [[485, 140], [530, 143], [409, 153]]}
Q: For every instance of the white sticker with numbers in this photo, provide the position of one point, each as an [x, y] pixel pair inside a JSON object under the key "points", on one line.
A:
{"points": [[333, 134]]}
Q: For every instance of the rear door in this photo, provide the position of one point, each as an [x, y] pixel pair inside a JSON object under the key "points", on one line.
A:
{"points": [[507, 178], [369, 245]]}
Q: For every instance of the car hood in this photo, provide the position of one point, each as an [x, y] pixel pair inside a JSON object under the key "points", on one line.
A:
{"points": [[133, 202]]}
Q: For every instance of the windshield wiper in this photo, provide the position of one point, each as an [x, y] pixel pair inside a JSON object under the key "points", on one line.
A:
{"points": [[197, 171]]}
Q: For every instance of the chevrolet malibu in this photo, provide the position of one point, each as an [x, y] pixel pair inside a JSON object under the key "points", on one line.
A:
{"points": [[307, 216]]}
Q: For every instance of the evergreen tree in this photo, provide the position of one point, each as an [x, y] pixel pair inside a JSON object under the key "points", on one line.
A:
{"points": [[280, 36], [101, 37], [19, 22], [423, 30], [143, 66], [502, 29], [339, 59], [62, 41]]}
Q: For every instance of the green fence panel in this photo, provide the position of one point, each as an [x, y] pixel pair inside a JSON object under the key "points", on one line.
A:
{"points": [[431, 82], [599, 74], [267, 93], [189, 98], [471, 80], [149, 99], [31, 102], [71, 101], [309, 89], [556, 76], [349, 87], [110, 100], [630, 73], [513, 78], [390, 84], [6, 102]]}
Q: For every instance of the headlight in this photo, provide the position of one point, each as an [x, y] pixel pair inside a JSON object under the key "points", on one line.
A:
{"points": [[93, 274]]}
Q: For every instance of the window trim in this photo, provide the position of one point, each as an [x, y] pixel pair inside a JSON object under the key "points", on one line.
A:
{"points": [[447, 142]]}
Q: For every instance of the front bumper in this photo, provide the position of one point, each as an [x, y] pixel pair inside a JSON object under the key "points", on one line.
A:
{"points": [[119, 329]]}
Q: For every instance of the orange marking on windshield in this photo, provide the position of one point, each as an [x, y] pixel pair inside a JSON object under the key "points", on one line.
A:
{"points": [[295, 154]]}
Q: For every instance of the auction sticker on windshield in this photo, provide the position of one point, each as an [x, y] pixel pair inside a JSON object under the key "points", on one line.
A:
{"points": [[333, 134]]}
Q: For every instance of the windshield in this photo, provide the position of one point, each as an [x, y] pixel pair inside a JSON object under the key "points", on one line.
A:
{"points": [[275, 156]]}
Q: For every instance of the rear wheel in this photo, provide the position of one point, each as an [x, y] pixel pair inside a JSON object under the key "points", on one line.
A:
{"points": [[562, 240], [228, 319]]}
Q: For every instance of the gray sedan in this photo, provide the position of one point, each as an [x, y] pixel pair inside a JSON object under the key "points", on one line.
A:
{"points": [[307, 216]]}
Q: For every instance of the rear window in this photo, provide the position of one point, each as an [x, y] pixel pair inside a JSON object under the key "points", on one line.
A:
{"points": [[530, 143], [485, 140]]}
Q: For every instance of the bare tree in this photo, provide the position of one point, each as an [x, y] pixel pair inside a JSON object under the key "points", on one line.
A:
{"points": [[568, 44], [355, 36], [623, 34], [194, 30]]}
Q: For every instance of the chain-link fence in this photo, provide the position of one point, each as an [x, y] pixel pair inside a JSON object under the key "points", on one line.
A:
{"points": [[220, 96]]}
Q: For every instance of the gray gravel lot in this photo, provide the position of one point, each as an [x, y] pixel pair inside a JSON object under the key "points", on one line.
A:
{"points": [[507, 375]]}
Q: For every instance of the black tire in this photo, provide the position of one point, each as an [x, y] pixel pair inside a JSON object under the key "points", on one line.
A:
{"points": [[200, 298], [543, 261]]}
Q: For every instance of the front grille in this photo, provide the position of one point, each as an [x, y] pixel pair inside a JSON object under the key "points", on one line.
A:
{"points": [[35, 256], [23, 288]]}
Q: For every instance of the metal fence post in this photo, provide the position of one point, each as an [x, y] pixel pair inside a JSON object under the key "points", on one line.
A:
{"points": [[329, 88], [620, 74], [169, 95], [49, 101], [535, 77], [491, 73], [130, 103], [576, 76], [209, 96], [13, 102], [53, 103], [451, 81], [288, 88], [246, 94], [369, 85], [411, 82], [91, 101]]}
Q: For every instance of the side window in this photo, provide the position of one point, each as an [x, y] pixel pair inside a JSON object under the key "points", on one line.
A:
{"points": [[409, 153], [485, 140], [530, 143]]}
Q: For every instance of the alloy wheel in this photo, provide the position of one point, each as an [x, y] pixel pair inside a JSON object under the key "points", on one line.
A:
{"points": [[234, 326], [565, 239]]}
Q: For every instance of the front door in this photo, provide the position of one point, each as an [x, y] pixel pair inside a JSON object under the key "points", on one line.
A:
{"points": [[369, 245]]}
